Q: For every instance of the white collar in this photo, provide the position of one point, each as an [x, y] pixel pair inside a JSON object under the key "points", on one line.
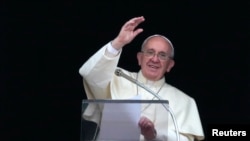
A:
{"points": [[147, 82]]}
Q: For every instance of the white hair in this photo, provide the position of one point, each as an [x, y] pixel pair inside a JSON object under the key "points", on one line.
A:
{"points": [[158, 35]]}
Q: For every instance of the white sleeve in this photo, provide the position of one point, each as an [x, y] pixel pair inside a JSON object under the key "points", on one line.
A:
{"points": [[111, 51], [97, 73]]}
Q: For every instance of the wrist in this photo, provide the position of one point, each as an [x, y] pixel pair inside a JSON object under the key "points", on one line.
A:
{"points": [[112, 50], [117, 44]]}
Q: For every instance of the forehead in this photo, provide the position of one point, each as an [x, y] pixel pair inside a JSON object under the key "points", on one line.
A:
{"points": [[158, 43]]}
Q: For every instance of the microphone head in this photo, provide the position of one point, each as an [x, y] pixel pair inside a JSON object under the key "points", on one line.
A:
{"points": [[118, 72]]}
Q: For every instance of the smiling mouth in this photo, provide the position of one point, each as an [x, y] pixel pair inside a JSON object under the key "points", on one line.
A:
{"points": [[153, 66]]}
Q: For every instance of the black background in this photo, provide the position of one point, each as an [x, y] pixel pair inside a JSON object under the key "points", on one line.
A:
{"points": [[44, 43]]}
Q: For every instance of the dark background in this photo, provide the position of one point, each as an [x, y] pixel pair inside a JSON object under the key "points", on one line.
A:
{"points": [[44, 43]]}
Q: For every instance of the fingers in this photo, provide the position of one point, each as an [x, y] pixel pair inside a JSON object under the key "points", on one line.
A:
{"points": [[145, 123], [128, 32], [136, 21], [133, 23], [147, 128], [138, 31]]}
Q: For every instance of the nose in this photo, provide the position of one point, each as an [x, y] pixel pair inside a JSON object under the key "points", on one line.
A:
{"points": [[155, 58]]}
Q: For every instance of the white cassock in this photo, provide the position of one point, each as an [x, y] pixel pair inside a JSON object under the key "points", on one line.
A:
{"points": [[100, 82]]}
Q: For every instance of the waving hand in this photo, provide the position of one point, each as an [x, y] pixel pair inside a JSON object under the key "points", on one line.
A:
{"points": [[128, 32]]}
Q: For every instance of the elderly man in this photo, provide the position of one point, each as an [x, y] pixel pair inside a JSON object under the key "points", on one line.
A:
{"points": [[155, 59]]}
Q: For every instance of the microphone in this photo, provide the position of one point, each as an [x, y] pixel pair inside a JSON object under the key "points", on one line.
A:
{"points": [[119, 72]]}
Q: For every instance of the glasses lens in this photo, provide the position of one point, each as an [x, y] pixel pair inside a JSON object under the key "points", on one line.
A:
{"points": [[151, 53]]}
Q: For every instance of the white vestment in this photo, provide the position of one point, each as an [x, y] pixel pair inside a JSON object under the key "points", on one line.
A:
{"points": [[100, 82]]}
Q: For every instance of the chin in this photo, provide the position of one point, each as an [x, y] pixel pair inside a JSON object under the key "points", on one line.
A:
{"points": [[151, 76]]}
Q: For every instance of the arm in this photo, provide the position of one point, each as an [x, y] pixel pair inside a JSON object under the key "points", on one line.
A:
{"points": [[98, 71]]}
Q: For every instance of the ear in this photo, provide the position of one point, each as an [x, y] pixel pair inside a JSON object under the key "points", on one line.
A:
{"points": [[139, 58], [170, 65]]}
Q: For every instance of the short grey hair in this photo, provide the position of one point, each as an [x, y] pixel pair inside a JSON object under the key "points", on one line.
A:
{"points": [[158, 35]]}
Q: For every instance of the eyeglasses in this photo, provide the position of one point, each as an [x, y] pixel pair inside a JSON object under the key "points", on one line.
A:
{"points": [[160, 55]]}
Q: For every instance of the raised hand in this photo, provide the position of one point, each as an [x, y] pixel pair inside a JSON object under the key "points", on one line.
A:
{"points": [[128, 32]]}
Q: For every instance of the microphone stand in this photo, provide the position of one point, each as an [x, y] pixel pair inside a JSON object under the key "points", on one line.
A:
{"points": [[119, 72]]}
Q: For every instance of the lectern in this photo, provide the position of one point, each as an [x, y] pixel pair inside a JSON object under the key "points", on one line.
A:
{"points": [[117, 120]]}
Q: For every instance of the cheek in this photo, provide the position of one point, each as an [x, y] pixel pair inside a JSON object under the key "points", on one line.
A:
{"points": [[164, 67]]}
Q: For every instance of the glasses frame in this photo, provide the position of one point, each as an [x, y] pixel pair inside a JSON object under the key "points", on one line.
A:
{"points": [[151, 53]]}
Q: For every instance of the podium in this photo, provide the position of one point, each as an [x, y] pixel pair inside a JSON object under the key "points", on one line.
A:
{"points": [[117, 120]]}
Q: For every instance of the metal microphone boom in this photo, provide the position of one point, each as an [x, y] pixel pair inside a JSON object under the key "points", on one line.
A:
{"points": [[119, 72]]}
